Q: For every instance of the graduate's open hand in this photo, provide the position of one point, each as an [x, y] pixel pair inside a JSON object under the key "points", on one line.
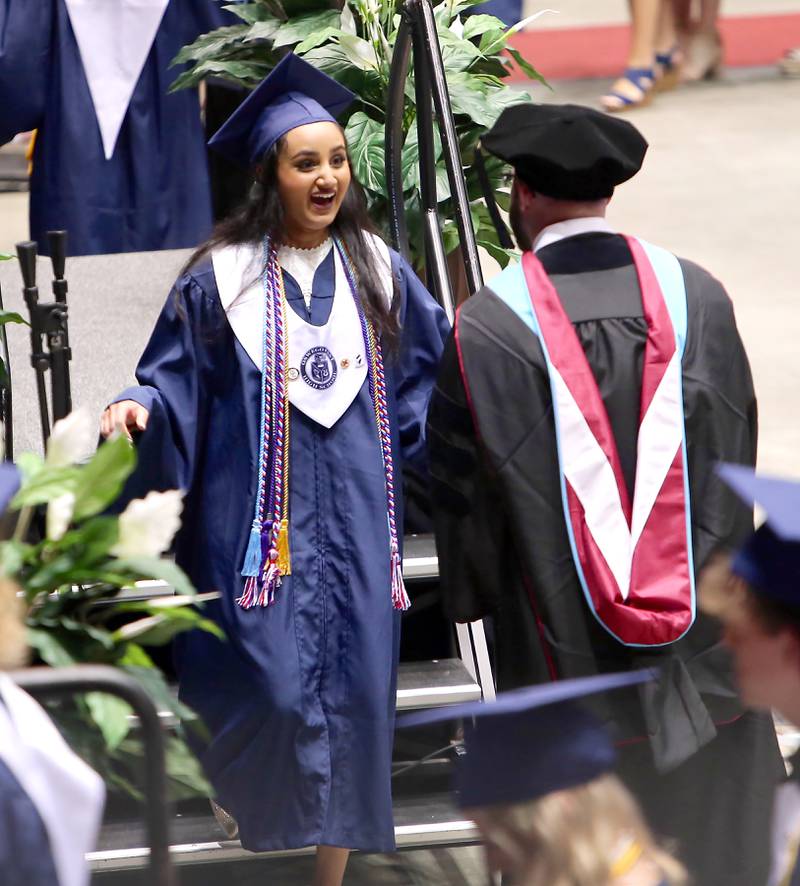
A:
{"points": [[125, 416]]}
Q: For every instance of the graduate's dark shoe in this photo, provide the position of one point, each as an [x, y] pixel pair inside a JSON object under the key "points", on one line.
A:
{"points": [[225, 820]]}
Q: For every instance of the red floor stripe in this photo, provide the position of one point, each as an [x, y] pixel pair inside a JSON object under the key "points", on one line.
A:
{"points": [[571, 53]]}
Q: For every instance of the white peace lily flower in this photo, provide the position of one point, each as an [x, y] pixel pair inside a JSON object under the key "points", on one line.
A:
{"points": [[59, 513], [147, 525], [72, 439]]}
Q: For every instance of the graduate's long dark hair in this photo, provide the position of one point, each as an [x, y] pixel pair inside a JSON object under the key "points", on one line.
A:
{"points": [[262, 214]]}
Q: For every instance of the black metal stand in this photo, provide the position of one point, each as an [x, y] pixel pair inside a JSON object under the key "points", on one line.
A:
{"points": [[418, 27], [48, 323], [6, 400], [59, 682]]}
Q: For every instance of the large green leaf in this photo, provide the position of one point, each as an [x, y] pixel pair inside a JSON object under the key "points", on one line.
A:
{"points": [[50, 648], [298, 29], [111, 716], [154, 683], [45, 485], [88, 544], [185, 772], [156, 568], [317, 39], [502, 256], [12, 556], [101, 480], [526, 66], [208, 46], [265, 30], [248, 73], [161, 627], [366, 140], [359, 52], [12, 317], [410, 161], [476, 25], [29, 464], [468, 96], [250, 12], [457, 54]]}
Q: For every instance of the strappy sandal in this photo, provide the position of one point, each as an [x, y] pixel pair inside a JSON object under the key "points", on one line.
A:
{"points": [[667, 69], [642, 79], [703, 58], [789, 64]]}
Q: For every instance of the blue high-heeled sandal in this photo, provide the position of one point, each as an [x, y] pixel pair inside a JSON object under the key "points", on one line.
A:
{"points": [[643, 79], [667, 69]]}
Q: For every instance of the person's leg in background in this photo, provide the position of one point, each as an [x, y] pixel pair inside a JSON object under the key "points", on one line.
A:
{"points": [[633, 88], [704, 45]]}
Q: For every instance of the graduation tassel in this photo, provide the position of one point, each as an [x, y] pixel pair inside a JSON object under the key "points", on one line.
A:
{"points": [[249, 594], [252, 557], [399, 594], [284, 557]]}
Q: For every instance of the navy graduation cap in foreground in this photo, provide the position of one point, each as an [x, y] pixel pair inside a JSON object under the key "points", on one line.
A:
{"points": [[294, 94], [532, 741], [769, 560]]}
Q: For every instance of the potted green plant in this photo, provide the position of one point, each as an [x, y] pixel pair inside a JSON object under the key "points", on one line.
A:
{"points": [[69, 583], [353, 44]]}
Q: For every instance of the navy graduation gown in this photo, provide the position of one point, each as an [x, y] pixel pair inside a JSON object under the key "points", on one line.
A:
{"points": [[153, 193], [25, 858], [300, 700]]}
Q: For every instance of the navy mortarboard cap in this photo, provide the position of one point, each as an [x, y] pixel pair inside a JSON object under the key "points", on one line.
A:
{"points": [[293, 94], [769, 561], [532, 741], [569, 152]]}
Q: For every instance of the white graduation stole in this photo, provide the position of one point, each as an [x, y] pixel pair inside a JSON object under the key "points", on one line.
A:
{"points": [[633, 559], [67, 794], [327, 365], [114, 38]]}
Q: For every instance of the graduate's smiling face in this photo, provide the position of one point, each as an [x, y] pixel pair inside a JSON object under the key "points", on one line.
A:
{"points": [[313, 175]]}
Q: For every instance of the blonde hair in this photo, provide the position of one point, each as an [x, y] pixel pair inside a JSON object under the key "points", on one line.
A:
{"points": [[574, 837], [721, 593], [13, 644]]}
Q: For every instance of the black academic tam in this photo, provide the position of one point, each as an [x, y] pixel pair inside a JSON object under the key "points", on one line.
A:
{"points": [[567, 151]]}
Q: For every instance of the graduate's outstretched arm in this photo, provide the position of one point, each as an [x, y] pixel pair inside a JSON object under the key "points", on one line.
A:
{"points": [[469, 520], [166, 407], [423, 334]]}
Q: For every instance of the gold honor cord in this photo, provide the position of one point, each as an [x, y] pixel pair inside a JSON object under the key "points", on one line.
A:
{"points": [[284, 556]]}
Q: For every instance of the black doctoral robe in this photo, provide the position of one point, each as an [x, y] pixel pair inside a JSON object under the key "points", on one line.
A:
{"points": [[689, 752]]}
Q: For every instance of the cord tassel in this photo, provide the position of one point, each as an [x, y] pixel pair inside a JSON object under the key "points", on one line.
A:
{"points": [[399, 594], [252, 557]]}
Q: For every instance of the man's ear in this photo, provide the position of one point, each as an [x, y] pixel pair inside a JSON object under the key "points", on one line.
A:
{"points": [[790, 641], [524, 194]]}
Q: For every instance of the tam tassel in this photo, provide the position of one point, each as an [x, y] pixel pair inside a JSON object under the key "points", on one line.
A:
{"points": [[399, 594], [252, 557]]}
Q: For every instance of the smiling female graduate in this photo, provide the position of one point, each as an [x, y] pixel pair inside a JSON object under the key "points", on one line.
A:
{"points": [[287, 377]]}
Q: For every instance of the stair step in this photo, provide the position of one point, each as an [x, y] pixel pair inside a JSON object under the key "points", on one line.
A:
{"points": [[420, 684], [419, 563], [423, 820]]}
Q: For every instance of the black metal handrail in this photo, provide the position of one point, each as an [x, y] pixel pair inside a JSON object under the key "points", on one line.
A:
{"points": [[6, 399], [418, 27], [46, 682]]}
